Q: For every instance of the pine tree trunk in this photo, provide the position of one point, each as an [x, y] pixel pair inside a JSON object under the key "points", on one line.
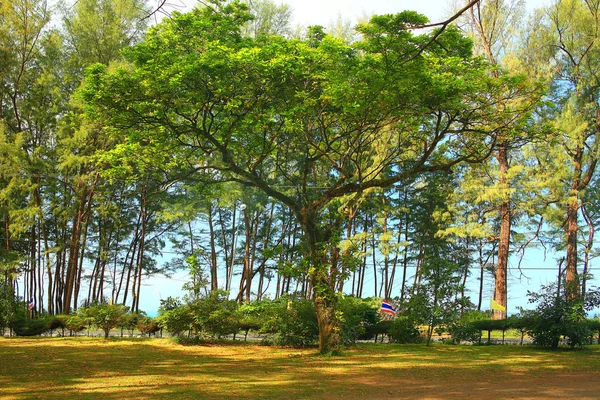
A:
{"points": [[572, 227], [73, 260], [500, 292], [214, 284]]}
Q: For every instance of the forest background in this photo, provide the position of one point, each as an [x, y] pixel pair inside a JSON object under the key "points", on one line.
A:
{"points": [[65, 220]]}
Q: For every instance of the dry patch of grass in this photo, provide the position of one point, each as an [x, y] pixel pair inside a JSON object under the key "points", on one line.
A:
{"points": [[49, 368]]}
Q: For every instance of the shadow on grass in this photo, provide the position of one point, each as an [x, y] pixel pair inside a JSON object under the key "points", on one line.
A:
{"points": [[158, 369]]}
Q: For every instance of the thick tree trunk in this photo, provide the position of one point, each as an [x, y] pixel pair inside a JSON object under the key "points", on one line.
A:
{"points": [[323, 291]]}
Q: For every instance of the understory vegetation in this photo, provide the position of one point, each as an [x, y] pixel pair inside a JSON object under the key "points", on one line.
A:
{"points": [[290, 321]]}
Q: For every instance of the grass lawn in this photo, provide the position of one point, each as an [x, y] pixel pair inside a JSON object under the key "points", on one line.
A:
{"points": [[92, 368]]}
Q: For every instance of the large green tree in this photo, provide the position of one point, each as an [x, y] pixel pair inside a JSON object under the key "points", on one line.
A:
{"points": [[306, 121]]}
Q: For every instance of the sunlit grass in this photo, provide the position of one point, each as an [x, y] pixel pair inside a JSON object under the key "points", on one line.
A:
{"points": [[49, 368]]}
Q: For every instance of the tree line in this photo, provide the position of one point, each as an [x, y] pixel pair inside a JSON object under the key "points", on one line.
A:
{"points": [[401, 159]]}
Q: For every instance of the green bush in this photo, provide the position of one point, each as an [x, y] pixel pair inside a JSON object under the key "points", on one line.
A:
{"points": [[176, 320], [298, 325], [58, 322], [557, 316], [147, 325], [404, 330], [594, 326], [194, 340], [216, 314], [31, 327], [74, 323], [358, 316], [380, 328], [129, 322], [103, 316], [464, 332], [293, 322]]}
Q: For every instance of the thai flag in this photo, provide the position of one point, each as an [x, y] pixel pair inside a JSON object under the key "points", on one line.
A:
{"points": [[31, 304], [387, 307]]}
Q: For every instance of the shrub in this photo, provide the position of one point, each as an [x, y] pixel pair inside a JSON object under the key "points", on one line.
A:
{"points": [[216, 314], [103, 316], [594, 326], [58, 322], [147, 325], [194, 340], [464, 332], [31, 327], [358, 316], [176, 320], [129, 322], [74, 323], [8, 306], [249, 323], [380, 328], [557, 316], [404, 330], [293, 322], [522, 322]]}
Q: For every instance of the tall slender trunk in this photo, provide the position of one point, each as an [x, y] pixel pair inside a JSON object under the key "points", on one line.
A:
{"points": [[137, 276], [232, 254], [225, 246], [214, 283], [418, 274], [261, 268], [465, 275], [347, 254], [481, 276], [81, 257], [588, 249], [572, 227], [44, 230], [74, 248], [500, 292], [246, 279]]}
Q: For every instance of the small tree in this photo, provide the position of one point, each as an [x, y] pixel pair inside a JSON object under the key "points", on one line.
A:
{"points": [[559, 315], [104, 316], [292, 321], [147, 325], [74, 323], [404, 330], [357, 317], [176, 318], [252, 316], [436, 301], [216, 314]]}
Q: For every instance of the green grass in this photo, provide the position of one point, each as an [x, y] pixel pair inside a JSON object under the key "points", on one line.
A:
{"points": [[50, 368]]}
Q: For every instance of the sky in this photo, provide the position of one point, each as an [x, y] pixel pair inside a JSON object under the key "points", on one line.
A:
{"points": [[324, 12], [537, 268]]}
